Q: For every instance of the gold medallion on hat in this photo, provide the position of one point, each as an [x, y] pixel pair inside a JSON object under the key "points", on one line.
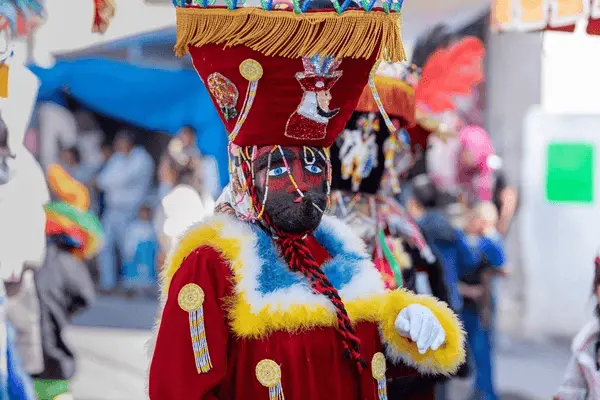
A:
{"points": [[251, 70]]}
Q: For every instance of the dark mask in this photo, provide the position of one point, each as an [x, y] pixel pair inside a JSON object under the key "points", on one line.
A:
{"points": [[286, 208]]}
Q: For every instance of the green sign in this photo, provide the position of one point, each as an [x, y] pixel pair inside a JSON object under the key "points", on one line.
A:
{"points": [[570, 173]]}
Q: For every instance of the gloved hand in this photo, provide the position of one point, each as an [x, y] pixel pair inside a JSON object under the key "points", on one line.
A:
{"points": [[418, 323]]}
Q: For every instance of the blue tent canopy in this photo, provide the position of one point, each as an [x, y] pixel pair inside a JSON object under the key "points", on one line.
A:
{"points": [[153, 99]]}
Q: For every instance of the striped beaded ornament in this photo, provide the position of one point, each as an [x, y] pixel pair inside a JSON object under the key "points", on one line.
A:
{"points": [[190, 299]]}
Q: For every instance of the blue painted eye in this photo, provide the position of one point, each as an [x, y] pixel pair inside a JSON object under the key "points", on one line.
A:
{"points": [[313, 169], [277, 171]]}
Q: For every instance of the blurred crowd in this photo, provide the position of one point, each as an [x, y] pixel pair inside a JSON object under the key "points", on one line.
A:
{"points": [[142, 204]]}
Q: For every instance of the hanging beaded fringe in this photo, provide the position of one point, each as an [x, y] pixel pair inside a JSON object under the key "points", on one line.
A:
{"points": [[382, 389], [190, 299], [384, 114], [201, 355], [269, 32], [276, 393]]}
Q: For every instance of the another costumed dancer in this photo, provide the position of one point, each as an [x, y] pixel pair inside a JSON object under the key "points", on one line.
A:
{"points": [[276, 301], [64, 284], [450, 69], [23, 193], [369, 160]]}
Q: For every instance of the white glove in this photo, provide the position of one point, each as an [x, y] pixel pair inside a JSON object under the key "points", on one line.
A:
{"points": [[418, 323]]}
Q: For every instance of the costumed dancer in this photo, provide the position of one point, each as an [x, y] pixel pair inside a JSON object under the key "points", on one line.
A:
{"points": [[369, 160], [450, 70], [64, 284], [271, 299], [582, 377], [23, 193]]}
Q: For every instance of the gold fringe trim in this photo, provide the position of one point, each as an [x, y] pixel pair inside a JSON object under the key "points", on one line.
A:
{"points": [[397, 97], [354, 34]]}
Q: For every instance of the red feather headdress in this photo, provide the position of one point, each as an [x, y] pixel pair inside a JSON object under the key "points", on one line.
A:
{"points": [[448, 74]]}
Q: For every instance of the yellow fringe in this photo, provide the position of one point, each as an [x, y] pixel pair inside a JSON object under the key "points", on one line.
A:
{"points": [[353, 34]]}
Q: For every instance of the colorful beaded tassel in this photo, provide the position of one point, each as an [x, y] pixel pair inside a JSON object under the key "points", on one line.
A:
{"points": [[190, 299]]}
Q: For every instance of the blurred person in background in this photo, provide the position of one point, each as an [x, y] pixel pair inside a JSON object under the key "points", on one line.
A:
{"points": [[140, 254], [582, 374], [478, 289], [474, 174], [184, 150], [64, 284], [70, 159], [126, 180], [506, 197], [446, 241], [107, 151], [449, 245], [180, 204]]}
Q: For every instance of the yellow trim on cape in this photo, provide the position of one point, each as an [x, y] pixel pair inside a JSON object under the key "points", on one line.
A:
{"points": [[287, 34], [381, 308], [445, 360]]}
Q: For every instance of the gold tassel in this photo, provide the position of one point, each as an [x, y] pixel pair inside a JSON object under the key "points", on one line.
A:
{"points": [[378, 370], [3, 81], [287, 34], [268, 374], [190, 299]]}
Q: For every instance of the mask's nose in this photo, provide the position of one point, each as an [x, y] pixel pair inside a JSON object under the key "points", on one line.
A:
{"points": [[303, 187]]}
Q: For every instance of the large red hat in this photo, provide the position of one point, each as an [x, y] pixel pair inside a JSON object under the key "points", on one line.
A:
{"points": [[286, 77]]}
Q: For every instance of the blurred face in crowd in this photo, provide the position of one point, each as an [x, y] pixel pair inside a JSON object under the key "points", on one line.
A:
{"points": [[187, 137], [145, 213], [123, 144], [106, 151], [292, 209]]}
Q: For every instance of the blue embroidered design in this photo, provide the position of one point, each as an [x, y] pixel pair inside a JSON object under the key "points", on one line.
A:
{"points": [[275, 276]]}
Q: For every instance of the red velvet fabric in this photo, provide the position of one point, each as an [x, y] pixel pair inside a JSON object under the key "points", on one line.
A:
{"points": [[312, 362], [279, 93]]}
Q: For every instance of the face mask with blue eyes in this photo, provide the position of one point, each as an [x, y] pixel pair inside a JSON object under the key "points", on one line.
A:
{"points": [[296, 195]]}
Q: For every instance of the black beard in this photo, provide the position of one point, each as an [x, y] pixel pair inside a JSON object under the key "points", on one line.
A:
{"points": [[295, 218]]}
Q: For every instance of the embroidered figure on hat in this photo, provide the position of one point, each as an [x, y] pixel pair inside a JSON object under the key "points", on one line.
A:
{"points": [[225, 94], [309, 121], [358, 151]]}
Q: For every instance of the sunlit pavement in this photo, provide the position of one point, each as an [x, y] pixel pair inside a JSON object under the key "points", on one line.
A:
{"points": [[112, 362]]}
